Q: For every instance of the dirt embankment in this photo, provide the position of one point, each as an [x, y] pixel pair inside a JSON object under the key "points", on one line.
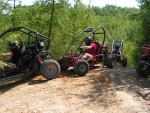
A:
{"points": [[100, 91]]}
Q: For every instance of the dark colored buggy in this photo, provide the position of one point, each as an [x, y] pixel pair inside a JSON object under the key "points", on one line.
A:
{"points": [[143, 67], [34, 56], [73, 59], [117, 53]]}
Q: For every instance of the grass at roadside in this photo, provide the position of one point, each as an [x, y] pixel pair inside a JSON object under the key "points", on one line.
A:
{"points": [[2, 64]]}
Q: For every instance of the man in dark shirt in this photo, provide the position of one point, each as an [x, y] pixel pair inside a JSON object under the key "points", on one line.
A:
{"points": [[9, 66], [17, 51]]}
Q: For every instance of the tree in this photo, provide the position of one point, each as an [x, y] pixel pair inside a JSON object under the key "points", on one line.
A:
{"points": [[145, 16]]}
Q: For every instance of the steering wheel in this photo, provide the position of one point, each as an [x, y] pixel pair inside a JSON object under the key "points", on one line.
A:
{"points": [[81, 51]]}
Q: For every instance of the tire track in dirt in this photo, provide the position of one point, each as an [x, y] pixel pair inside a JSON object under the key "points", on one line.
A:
{"points": [[100, 91]]}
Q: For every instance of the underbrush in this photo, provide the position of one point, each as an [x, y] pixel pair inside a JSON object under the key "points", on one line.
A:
{"points": [[2, 64], [131, 51]]}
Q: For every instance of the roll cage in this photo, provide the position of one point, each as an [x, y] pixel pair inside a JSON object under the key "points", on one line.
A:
{"points": [[29, 32], [89, 30]]}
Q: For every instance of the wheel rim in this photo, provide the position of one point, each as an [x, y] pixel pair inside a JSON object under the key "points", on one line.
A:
{"points": [[113, 62], [82, 68], [145, 69], [51, 70]]}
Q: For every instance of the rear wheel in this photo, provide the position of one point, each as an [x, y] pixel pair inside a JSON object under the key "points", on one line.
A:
{"points": [[8, 68], [124, 62], [64, 68], [64, 63], [81, 68], [110, 61], [142, 69], [50, 69]]}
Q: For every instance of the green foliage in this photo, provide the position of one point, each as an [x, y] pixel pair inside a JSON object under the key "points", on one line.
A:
{"points": [[4, 42], [131, 52], [145, 16], [120, 23], [2, 64]]}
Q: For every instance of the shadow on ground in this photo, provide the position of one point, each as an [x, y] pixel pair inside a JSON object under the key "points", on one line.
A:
{"points": [[31, 80], [109, 81], [8, 87]]}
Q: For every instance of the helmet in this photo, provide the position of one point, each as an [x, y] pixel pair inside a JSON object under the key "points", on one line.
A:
{"points": [[13, 44], [88, 40], [40, 45], [117, 46]]}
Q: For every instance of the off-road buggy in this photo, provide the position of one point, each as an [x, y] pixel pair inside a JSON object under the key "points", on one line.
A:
{"points": [[143, 67], [73, 59], [35, 57], [117, 53]]}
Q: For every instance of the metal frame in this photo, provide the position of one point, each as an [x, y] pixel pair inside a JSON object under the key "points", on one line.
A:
{"points": [[23, 72], [120, 42], [75, 38], [25, 30], [91, 32], [69, 60]]}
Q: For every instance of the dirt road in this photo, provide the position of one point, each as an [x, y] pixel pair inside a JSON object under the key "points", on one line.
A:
{"points": [[101, 91]]}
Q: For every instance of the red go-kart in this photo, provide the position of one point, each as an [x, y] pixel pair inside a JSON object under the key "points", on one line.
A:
{"points": [[143, 67], [73, 59]]}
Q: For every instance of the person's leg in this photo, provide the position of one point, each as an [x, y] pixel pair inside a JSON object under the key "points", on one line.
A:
{"points": [[87, 56], [8, 68]]}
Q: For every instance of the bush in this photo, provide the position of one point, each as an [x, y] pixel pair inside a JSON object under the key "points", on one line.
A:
{"points": [[2, 64]]}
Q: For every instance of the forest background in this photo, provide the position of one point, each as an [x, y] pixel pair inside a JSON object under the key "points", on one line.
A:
{"points": [[132, 25]]}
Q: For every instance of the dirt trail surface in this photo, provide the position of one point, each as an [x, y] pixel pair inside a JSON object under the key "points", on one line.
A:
{"points": [[101, 91]]}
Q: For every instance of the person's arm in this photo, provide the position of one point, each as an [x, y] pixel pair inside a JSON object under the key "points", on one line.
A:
{"points": [[86, 47]]}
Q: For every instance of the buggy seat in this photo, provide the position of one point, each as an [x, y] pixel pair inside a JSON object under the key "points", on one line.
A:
{"points": [[116, 49], [99, 48]]}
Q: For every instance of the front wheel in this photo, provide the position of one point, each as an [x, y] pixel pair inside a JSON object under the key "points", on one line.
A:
{"points": [[50, 69], [143, 69], [124, 62], [64, 68], [109, 61], [81, 68]]}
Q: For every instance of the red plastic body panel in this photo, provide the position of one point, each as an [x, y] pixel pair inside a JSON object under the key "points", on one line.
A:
{"points": [[146, 49]]}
